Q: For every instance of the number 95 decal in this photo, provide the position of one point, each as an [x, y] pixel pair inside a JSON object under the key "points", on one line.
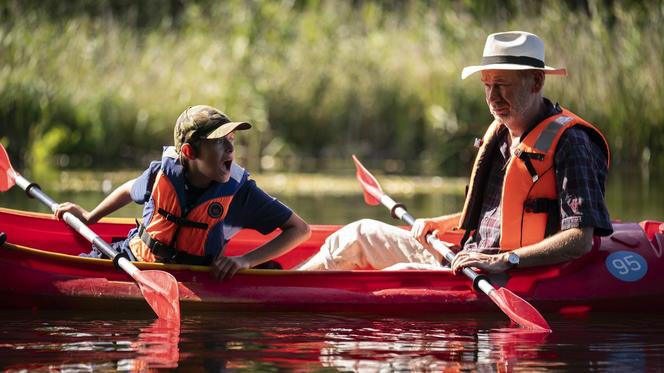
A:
{"points": [[626, 266]]}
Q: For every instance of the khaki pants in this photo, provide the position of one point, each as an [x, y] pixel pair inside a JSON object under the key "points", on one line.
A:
{"points": [[370, 244]]}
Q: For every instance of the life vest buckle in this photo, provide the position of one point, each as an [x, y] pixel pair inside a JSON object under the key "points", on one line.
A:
{"points": [[526, 157], [519, 153]]}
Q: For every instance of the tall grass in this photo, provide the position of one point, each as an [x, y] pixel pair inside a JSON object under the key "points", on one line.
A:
{"points": [[86, 85]]}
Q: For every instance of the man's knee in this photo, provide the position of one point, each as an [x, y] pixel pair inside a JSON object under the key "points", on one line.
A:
{"points": [[356, 229], [351, 235], [366, 227]]}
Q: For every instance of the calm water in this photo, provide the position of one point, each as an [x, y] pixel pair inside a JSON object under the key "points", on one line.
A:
{"points": [[631, 196], [88, 341], [305, 342]]}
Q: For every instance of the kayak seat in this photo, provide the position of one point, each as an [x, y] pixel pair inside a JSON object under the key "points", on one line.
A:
{"points": [[654, 230], [652, 227], [658, 244], [658, 241]]}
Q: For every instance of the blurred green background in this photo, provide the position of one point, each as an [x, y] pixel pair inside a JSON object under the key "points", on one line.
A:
{"points": [[97, 85], [100, 83]]}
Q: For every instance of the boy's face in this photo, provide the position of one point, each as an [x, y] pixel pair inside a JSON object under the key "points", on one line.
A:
{"points": [[214, 158]]}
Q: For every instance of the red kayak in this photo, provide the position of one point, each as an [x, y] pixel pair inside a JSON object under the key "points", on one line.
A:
{"points": [[40, 267]]}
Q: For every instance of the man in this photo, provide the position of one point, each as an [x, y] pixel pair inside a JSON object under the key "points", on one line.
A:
{"points": [[536, 195]]}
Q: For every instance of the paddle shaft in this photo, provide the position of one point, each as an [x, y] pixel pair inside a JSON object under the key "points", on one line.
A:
{"points": [[34, 191], [400, 212], [517, 309]]}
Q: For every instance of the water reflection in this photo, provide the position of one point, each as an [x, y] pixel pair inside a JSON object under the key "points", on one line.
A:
{"points": [[358, 343], [266, 342], [87, 345], [158, 345], [304, 342], [433, 350]]}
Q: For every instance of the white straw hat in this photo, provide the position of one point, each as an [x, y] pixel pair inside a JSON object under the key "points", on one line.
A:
{"points": [[513, 50]]}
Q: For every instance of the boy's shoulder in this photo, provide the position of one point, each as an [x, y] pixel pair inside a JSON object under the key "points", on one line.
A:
{"points": [[170, 152]]}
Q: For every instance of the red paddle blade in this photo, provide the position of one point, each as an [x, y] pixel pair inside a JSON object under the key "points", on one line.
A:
{"points": [[7, 173], [372, 190], [518, 310], [160, 290]]}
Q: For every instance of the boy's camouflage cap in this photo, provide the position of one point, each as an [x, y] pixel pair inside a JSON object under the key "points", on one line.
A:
{"points": [[203, 122]]}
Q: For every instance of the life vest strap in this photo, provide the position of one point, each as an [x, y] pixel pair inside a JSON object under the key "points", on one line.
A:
{"points": [[551, 207], [466, 236], [538, 205], [169, 254], [180, 221], [526, 157]]}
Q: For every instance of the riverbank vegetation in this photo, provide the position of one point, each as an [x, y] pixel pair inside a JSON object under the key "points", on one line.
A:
{"points": [[99, 83]]}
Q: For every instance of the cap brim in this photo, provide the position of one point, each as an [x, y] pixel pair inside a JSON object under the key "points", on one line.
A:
{"points": [[227, 128], [469, 70]]}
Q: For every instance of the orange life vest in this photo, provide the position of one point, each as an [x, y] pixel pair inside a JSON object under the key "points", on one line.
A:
{"points": [[529, 190], [168, 232]]}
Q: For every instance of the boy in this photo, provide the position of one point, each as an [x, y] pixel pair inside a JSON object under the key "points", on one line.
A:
{"points": [[196, 198]]}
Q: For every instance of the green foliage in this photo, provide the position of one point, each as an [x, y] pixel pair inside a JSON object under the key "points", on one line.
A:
{"points": [[100, 83]]}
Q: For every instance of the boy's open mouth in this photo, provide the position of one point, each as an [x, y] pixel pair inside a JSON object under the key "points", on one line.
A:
{"points": [[228, 164]]}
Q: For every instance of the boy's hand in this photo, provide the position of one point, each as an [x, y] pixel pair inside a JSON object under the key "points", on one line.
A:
{"points": [[74, 209], [225, 267]]}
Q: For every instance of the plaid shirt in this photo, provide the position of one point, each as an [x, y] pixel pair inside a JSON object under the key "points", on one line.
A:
{"points": [[581, 172]]}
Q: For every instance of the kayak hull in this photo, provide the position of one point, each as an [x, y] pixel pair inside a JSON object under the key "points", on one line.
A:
{"points": [[40, 268], [36, 279]]}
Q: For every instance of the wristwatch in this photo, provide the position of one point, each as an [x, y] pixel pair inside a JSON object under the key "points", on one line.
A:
{"points": [[513, 259]]}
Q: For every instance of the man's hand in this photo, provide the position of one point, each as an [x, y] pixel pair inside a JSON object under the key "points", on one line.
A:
{"points": [[488, 263], [421, 228], [437, 226], [74, 209], [225, 267]]}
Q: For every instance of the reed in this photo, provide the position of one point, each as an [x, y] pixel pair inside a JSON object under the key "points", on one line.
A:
{"points": [[88, 84]]}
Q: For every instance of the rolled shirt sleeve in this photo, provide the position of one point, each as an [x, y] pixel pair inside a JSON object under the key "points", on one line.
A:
{"points": [[581, 172], [255, 209]]}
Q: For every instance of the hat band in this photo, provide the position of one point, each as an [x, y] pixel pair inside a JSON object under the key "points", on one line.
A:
{"points": [[516, 60]]}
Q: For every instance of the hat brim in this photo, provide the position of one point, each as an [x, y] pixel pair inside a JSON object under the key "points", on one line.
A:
{"points": [[469, 70], [227, 128]]}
